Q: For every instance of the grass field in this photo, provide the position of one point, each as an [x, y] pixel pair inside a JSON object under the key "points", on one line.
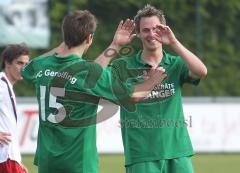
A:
{"points": [[203, 163]]}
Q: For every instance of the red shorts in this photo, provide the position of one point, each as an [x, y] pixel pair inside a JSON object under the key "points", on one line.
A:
{"points": [[11, 166]]}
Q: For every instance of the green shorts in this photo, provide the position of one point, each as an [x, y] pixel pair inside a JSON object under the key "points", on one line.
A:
{"points": [[179, 165]]}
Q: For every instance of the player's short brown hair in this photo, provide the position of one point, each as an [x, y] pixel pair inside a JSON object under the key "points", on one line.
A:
{"points": [[148, 11], [12, 52], [77, 26]]}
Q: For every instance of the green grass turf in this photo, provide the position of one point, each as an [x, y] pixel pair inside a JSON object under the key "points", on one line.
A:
{"points": [[203, 163]]}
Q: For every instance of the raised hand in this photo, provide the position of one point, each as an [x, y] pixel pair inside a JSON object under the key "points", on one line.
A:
{"points": [[123, 36], [124, 33], [165, 35]]}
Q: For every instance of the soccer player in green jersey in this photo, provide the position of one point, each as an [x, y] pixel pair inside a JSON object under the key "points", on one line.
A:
{"points": [[155, 135], [68, 89]]}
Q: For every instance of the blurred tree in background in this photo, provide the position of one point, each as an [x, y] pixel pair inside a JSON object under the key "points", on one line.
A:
{"points": [[209, 28]]}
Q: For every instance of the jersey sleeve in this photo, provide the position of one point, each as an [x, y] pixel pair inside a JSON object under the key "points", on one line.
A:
{"points": [[115, 89], [28, 72], [185, 74], [105, 83]]}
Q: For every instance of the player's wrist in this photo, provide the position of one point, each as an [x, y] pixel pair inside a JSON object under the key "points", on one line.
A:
{"points": [[174, 43], [115, 45]]}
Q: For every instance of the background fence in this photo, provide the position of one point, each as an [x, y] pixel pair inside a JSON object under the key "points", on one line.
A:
{"points": [[213, 123]]}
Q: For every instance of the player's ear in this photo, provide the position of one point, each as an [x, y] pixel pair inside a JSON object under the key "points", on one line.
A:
{"points": [[89, 38], [7, 64]]}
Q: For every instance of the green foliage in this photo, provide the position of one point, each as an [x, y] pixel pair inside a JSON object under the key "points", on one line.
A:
{"points": [[209, 28]]}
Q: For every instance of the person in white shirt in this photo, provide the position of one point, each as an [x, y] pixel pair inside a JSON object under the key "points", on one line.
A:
{"points": [[14, 57]]}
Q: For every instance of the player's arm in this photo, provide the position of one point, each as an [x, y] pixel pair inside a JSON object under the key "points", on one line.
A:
{"points": [[112, 86], [154, 77], [123, 36], [196, 67]]}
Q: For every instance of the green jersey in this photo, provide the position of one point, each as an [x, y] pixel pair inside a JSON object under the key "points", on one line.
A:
{"points": [[67, 113], [156, 129]]}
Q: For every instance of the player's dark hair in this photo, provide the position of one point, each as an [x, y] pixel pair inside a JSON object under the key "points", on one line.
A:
{"points": [[12, 52], [148, 11], [77, 26]]}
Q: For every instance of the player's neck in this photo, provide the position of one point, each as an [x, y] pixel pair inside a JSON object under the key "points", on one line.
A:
{"points": [[9, 76], [78, 50], [152, 58]]}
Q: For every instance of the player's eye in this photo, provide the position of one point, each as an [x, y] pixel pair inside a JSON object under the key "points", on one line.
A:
{"points": [[145, 30], [20, 63]]}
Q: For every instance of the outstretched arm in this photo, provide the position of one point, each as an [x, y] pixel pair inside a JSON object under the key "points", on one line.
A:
{"points": [[196, 67], [154, 77], [123, 36]]}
